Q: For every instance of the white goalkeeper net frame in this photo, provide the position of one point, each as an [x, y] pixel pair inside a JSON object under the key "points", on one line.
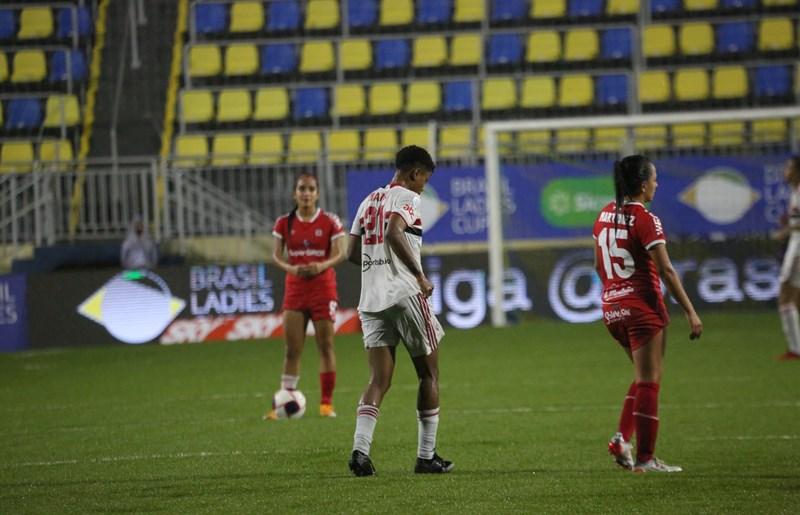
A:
{"points": [[492, 130]]}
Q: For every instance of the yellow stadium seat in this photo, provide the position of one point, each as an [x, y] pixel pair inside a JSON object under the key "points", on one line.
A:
{"points": [[344, 145], [576, 91], [654, 87], [228, 150], [468, 11], [241, 59], [498, 94], [659, 41], [197, 106], [455, 141], [505, 142], [548, 9], [415, 136], [423, 97], [689, 135], [317, 56], [35, 23], [572, 140], [191, 150], [205, 61], [696, 38], [233, 105], [534, 142], [356, 54], [429, 52], [396, 12], [465, 50], [380, 144], [271, 104], [650, 137], [691, 84], [622, 7], [699, 5], [581, 45], [769, 131], [543, 47], [538, 92], [304, 147], [777, 3], [729, 82], [385, 99], [247, 16], [16, 157], [775, 34], [348, 100], [610, 139], [322, 14], [3, 67], [266, 148], [61, 110], [29, 66], [55, 153], [727, 133]]}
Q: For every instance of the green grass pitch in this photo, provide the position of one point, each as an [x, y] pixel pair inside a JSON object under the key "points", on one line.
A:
{"points": [[526, 415]]}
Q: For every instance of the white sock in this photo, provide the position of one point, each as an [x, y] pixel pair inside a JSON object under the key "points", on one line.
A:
{"points": [[365, 427], [289, 382], [790, 321], [428, 423]]}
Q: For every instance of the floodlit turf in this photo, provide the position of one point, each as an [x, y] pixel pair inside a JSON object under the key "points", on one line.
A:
{"points": [[526, 415]]}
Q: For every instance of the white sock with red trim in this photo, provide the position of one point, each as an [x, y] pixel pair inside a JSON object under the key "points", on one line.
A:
{"points": [[365, 427], [790, 321], [428, 423]]}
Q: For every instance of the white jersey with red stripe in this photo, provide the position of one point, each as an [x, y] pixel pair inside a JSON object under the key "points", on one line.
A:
{"points": [[385, 280]]}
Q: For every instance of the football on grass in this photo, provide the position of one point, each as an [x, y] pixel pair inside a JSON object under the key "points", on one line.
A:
{"points": [[289, 403]]}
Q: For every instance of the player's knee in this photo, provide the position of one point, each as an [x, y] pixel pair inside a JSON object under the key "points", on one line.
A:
{"points": [[382, 383]]}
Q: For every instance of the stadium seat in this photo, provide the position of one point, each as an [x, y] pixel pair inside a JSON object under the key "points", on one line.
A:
{"points": [[241, 59], [654, 87], [310, 103], [548, 9], [585, 8], [76, 70], [23, 113], [581, 45], [738, 4], [380, 144], [197, 106], [356, 55], [385, 99], [507, 10], [35, 23], [468, 11], [233, 105], [322, 15], [455, 141], [396, 13], [498, 94], [505, 142], [304, 147], [53, 151], [504, 49], [61, 110], [661, 7], [29, 66], [246, 16], [423, 97], [210, 18], [283, 16], [16, 157], [317, 56], [191, 150], [727, 133], [659, 41], [458, 96], [729, 82], [616, 44], [266, 148], [534, 142], [572, 140], [650, 137], [414, 136], [773, 81], [205, 61], [610, 139], [348, 100], [429, 52], [616, 7], [543, 47], [465, 50], [735, 37], [691, 84], [278, 58], [228, 150], [391, 54], [778, 3], [271, 104], [362, 14], [689, 135], [612, 90], [699, 5], [3, 67], [8, 24], [538, 92], [696, 38], [434, 12], [775, 34], [66, 22], [768, 131], [344, 145], [575, 91]]}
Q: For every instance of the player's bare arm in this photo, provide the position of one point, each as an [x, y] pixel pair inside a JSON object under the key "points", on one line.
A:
{"points": [[675, 287], [278, 259], [396, 239], [354, 250]]}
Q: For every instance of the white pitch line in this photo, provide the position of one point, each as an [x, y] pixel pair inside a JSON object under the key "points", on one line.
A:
{"points": [[742, 438]]}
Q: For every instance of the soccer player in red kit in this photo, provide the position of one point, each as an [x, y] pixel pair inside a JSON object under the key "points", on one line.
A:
{"points": [[630, 255], [314, 245]]}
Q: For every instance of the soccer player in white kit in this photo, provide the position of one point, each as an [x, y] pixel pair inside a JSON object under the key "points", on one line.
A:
{"points": [[385, 240], [790, 270]]}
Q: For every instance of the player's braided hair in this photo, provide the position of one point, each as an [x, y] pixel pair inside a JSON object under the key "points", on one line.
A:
{"points": [[629, 174], [293, 212]]}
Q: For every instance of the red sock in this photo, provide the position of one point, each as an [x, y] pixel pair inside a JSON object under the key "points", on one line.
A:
{"points": [[645, 411], [626, 419], [327, 381]]}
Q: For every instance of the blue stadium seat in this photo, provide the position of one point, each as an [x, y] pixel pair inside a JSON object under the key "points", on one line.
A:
{"points": [[283, 15], [431, 12], [508, 10], [665, 6], [210, 18], [363, 13], [8, 27], [59, 71], [735, 37], [505, 49], [616, 44], [23, 113], [391, 53], [738, 4], [458, 96], [65, 25], [773, 81], [583, 8], [310, 103], [611, 90], [278, 58]]}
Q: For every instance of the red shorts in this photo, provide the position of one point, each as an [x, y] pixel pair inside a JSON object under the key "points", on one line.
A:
{"points": [[633, 326], [317, 305]]}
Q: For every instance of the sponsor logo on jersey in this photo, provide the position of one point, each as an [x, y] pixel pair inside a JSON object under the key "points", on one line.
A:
{"points": [[616, 315], [307, 252], [367, 262], [617, 293], [317, 232]]}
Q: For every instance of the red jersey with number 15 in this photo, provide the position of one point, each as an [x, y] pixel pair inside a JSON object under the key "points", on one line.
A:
{"points": [[622, 259]]}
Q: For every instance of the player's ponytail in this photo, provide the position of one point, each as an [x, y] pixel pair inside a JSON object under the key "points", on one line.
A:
{"points": [[629, 174]]}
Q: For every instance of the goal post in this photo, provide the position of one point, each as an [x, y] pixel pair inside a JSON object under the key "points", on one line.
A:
{"points": [[493, 172]]}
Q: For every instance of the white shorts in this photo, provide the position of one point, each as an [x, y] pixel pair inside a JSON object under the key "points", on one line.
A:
{"points": [[790, 269], [411, 320]]}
